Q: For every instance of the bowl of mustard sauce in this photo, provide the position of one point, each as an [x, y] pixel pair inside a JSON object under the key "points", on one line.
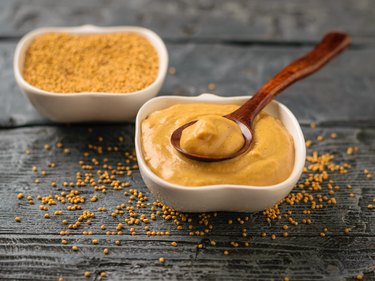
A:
{"points": [[254, 181]]}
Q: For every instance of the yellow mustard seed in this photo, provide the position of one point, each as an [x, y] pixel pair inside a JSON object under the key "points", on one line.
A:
{"points": [[18, 219], [87, 274], [308, 143], [370, 206], [103, 274], [226, 253], [172, 70], [359, 277], [128, 64], [20, 196], [75, 248], [211, 86], [162, 260], [106, 251], [174, 244]]}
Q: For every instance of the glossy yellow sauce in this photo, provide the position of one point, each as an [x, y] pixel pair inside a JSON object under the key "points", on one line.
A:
{"points": [[269, 161], [212, 135]]}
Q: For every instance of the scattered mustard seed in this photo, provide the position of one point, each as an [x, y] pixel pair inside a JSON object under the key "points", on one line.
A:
{"points": [[75, 248], [349, 150], [20, 196], [162, 260], [87, 274], [18, 219], [106, 251], [172, 70], [211, 86]]}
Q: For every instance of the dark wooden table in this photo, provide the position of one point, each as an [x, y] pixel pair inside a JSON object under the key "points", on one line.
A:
{"points": [[237, 45]]}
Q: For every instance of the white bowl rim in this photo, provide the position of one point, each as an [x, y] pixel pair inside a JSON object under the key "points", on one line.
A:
{"points": [[300, 149], [91, 29]]}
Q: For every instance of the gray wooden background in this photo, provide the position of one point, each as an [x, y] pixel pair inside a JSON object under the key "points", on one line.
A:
{"points": [[237, 45]]}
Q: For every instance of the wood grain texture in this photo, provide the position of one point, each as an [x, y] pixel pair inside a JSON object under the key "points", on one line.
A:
{"points": [[220, 20], [238, 45], [236, 71], [30, 249]]}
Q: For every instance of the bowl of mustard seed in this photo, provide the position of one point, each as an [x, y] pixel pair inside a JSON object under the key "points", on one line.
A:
{"points": [[89, 73]]}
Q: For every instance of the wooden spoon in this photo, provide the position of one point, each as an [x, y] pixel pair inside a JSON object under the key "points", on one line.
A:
{"points": [[330, 46]]}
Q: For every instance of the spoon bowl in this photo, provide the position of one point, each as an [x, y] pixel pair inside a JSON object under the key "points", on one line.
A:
{"points": [[176, 137], [330, 46]]}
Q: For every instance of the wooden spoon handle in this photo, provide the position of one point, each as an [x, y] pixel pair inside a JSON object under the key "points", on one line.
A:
{"points": [[330, 46]]}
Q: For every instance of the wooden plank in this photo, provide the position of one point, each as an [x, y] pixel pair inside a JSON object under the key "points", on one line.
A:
{"points": [[32, 250], [340, 93], [31, 258], [263, 21]]}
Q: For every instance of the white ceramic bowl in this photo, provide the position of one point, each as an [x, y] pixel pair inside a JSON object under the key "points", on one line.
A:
{"points": [[224, 197], [89, 106]]}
